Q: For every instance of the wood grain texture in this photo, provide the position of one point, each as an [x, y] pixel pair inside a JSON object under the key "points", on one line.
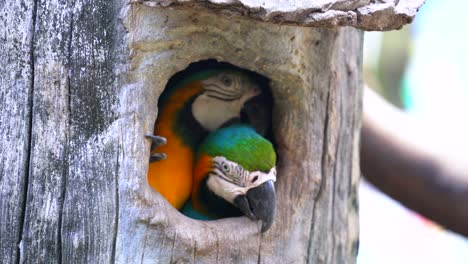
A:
{"points": [[49, 139], [60, 148], [16, 76], [87, 76], [316, 82], [363, 14], [90, 205]]}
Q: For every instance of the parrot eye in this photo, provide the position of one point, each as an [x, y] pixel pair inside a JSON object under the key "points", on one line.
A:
{"points": [[226, 80], [225, 167]]}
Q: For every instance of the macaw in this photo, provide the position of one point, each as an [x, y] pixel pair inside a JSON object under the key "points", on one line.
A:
{"points": [[234, 174], [187, 112]]}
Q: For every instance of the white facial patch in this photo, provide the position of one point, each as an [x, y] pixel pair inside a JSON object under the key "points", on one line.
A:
{"points": [[213, 113], [223, 98], [228, 179]]}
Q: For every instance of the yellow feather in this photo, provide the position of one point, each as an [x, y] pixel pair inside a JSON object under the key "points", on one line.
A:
{"points": [[172, 177]]}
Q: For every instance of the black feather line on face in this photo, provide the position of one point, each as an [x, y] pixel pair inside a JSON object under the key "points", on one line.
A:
{"points": [[217, 207], [231, 176], [223, 99], [215, 89], [221, 175], [233, 89]]}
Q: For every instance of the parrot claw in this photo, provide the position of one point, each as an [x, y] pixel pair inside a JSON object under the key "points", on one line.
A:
{"points": [[156, 141], [157, 157]]}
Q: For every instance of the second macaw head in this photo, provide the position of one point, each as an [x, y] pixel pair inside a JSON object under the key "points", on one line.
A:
{"points": [[235, 174], [224, 96]]}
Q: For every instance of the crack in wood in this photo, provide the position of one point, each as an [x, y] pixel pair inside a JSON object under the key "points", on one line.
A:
{"points": [[334, 170], [67, 136], [334, 178], [260, 237], [144, 244], [323, 169], [217, 247], [27, 166], [117, 198], [194, 251], [173, 247]]}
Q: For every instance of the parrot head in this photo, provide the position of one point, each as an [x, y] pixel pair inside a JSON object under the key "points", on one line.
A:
{"points": [[224, 96], [235, 174]]}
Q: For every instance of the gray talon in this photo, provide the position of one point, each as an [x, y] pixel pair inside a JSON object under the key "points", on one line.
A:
{"points": [[156, 141], [157, 157]]}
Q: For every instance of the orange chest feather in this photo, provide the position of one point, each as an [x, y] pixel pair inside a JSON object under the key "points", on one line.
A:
{"points": [[172, 177]]}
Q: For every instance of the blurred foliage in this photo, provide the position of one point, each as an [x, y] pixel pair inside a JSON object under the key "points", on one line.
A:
{"points": [[385, 65]]}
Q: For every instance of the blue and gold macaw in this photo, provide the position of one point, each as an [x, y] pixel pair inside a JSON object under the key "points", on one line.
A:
{"points": [[234, 174], [189, 110]]}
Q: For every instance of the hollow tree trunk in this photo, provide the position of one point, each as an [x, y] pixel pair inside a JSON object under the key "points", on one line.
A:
{"points": [[79, 85], [315, 80]]}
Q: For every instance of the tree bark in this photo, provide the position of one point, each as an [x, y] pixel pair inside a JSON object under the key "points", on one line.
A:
{"points": [[78, 92], [59, 90], [363, 14], [16, 74]]}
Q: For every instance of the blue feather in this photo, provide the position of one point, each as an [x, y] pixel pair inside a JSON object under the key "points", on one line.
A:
{"points": [[189, 211]]}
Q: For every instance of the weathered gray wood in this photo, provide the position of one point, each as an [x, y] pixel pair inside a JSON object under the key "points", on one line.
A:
{"points": [[58, 94], [316, 80], [90, 206], [340, 160], [87, 92], [16, 74], [41, 240], [363, 14]]}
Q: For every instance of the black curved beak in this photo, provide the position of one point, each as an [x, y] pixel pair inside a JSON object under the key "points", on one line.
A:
{"points": [[259, 204]]}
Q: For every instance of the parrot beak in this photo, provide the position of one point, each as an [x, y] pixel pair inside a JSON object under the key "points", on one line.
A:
{"points": [[259, 204]]}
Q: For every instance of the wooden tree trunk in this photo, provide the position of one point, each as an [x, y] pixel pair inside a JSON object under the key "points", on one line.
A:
{"points": [[315, 79], [79, 85], [59, 137]]}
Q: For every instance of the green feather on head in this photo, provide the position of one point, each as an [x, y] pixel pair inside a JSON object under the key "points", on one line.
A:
{"points": [[241, 144]]}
